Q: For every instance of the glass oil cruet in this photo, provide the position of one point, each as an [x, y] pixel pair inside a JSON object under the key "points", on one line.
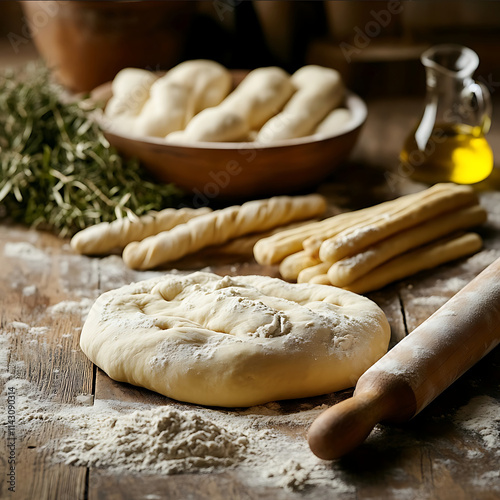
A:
{"points": [[449, 143]]}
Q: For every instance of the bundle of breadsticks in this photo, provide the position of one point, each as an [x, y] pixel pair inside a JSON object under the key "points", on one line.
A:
{"points": [[367, 249], [162, 237]]}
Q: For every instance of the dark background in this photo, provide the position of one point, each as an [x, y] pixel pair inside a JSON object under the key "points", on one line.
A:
{"points": [[245, 34]]}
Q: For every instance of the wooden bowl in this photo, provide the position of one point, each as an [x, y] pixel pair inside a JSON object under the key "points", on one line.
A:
{"points": [[228, 170]]}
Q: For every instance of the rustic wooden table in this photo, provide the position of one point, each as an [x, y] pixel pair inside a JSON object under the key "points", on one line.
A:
{"points": [[431, 457]]}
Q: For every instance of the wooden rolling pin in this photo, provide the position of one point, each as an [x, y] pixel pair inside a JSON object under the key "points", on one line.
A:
{"points": [[417, 370]]}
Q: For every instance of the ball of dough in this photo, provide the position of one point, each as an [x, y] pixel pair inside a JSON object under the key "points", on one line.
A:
{"points": [[208, 82], [319, 90], [165, 110], [172, 100], [212, 125], [234, 341], [335, 122], [130, 92], [261, 94]]}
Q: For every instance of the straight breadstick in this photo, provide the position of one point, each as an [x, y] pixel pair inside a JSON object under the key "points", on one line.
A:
{"points": [[292, 265], [306, 274], [107, 236], [350, 220], [350, 269], [221, 226], [275, 248], [352, 241], [243, 245], [426, 257]]}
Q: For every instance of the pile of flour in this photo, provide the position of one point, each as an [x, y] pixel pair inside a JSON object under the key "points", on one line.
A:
{"points": [[159, 440], [138, 438]]}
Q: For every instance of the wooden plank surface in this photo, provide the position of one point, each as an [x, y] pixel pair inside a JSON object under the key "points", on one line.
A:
{"points": [[43, 349], [425, 458]]}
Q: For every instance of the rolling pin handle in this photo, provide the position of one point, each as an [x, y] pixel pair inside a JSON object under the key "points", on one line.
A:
{"points": [[344, 426], [377, 398]]}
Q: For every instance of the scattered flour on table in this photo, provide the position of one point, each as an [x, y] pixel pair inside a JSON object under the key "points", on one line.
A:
{"points": [[81, 307], [38, 330], [481, 415], [4, 352], [113, 272], [29, 290], [430, 301], [132, 437], [85, 399], [491, 478], [262, 447], [454, 284], [480, 260], [24, 250], [23, 328], [19, 326]]}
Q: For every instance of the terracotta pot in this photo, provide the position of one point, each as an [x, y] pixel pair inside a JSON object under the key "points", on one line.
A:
{"points": [[87, 43]]}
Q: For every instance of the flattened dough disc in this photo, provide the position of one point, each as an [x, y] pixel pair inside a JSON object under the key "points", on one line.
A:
{"points": [[234, 341]]}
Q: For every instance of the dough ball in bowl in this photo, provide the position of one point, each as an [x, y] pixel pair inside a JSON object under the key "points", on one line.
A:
{"points": [[234, 341]]}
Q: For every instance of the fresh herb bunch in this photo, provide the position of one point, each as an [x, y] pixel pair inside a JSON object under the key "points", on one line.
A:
{"points": [[57, 170]]}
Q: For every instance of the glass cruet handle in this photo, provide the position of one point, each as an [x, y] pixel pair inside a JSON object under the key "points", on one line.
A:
{"points": [[480, 105]]}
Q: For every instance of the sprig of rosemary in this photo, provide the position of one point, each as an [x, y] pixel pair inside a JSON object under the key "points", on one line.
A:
{"points": [[57, 170]]}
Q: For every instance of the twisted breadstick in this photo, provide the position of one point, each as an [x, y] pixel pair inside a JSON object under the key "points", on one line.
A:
{"points": [[219, 227], [165, 110], [319, 90], [274, 249], [130, 89], [102, 238]]}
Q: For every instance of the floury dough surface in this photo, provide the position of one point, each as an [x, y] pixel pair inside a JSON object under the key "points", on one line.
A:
{"points": [[234, 341]]}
